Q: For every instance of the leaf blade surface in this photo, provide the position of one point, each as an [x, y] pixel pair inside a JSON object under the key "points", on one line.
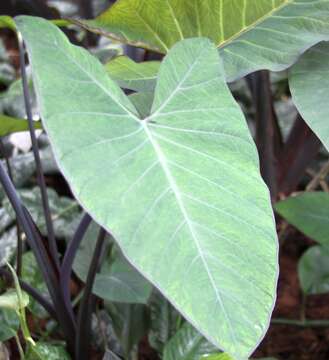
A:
{"points": [[193, 236]]}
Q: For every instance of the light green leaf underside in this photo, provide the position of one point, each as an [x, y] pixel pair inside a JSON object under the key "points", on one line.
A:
{"points": [[313, 270], [134, 76], [9, 125], [180, 191], [309, 213], [309, 85], [251, 34]]}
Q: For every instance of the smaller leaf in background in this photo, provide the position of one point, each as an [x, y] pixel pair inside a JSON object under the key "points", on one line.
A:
{"points": [[7, 22], [130, 323], [164, 322], [9, 324], [309, 85], [313, 270], [132, 75], [104, 335], [309, 213], [9, 125], [188, 344], [143, 103], [8, 244], [7, 73], [221, 356], [6, 219], [15, 89], [42, 351], [10, 300], [224, 356], [246, 32], [22, 167], [65, 211], [32, 275], [117, 281]]}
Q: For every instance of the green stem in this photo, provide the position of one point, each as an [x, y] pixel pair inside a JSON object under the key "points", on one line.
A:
{"points": [[19, 347], [301, 323], [21, 311]]}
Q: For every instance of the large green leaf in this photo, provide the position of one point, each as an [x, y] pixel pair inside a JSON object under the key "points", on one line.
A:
{"points": [[134, 76], [250, 34], [313, 270], [309, 85], [9, 125], [180, 190], [309, 213], [187, 344]]}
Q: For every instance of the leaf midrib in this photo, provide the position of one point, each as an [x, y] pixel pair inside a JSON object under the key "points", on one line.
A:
{"points": [[176, 192]]}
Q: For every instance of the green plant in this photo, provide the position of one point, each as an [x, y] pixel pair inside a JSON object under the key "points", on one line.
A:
{"points": [[172, 172]]}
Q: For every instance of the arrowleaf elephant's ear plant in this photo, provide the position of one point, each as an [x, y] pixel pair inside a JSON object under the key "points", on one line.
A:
{"points": [[180, 189], [170, 171]]}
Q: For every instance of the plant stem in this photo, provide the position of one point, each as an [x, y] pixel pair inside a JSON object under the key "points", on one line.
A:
{"points": [[66, 268], [268, 135], [21, 309], [301, 323], [299, 151], [41, 180], [35, 241], [19, 347], [85, 309]]}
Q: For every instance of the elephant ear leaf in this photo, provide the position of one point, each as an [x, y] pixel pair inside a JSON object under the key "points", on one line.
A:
{"points": [[250, 34], [309, 85], [180, 190]]}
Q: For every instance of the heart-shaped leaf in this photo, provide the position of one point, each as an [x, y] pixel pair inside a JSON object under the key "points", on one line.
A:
{"points": [[309, 85], [308, 212], [180, 190], [250, 34], [313, 270]]}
